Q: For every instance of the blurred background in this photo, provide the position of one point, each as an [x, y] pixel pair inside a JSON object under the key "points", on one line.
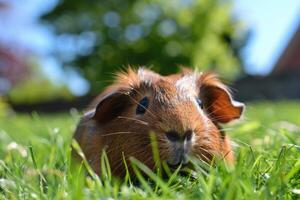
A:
{"points": [[58, 54]]}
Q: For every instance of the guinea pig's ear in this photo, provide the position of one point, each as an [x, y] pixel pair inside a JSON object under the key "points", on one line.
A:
{"points": [[217, 100], [110, 106]]}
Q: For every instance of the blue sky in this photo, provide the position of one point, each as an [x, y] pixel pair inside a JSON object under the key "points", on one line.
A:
{"points": [[272, 23]]}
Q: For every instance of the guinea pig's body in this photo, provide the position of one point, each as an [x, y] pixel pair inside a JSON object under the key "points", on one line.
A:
{"points": [[183, 111]]}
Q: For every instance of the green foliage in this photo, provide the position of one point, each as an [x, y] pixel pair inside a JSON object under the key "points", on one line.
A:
{"points": [[103, 36], [35, 162], [38, 88]]}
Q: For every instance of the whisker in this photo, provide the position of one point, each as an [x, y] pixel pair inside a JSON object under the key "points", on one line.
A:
{"points": [[133, 119], [117, 133], [117, 147], [134, 154]]}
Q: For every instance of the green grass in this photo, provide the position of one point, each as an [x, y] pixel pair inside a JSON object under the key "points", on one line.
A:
{"points": [[35, 162]]}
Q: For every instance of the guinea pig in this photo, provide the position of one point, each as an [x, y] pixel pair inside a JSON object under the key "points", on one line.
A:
{"points": [[183, 110]]}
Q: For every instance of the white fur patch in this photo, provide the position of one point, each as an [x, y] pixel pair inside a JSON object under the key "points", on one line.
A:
{"points": [[145, 76], [186, 87]]}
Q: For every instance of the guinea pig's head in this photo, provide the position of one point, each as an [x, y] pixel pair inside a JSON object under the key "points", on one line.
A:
{"points": [[183, 111]]}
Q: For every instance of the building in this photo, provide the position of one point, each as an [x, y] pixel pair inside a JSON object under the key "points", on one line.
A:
{"points": [[282, 83], [13, 68], [289, 61]]}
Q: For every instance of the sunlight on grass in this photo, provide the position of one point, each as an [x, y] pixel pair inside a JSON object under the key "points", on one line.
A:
{"points": [[35, 162]]}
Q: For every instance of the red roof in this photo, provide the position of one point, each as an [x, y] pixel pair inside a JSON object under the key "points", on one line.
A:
{"points": [[13, 66], [290, 58]]}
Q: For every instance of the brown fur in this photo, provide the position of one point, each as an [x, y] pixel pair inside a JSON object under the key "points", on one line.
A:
{"points": [[115, 127]]}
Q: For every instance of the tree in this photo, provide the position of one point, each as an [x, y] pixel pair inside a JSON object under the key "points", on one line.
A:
{"points": [[99, 37]]}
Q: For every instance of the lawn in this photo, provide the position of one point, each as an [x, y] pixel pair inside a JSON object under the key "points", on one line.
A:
{"points": [[35, 161]]}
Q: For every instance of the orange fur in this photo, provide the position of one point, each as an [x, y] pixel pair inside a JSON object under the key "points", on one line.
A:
{"points": [[115, 127]]}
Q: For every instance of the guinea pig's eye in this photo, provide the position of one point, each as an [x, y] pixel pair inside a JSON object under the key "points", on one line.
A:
{"points": [[199, 102], [142, 106]]}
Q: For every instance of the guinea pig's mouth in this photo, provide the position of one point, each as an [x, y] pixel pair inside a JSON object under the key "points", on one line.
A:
{"points": [[174, 167], [176, 160], [178, 157], [184, 168]]}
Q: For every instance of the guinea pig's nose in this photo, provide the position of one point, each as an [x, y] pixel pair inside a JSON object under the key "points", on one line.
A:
{"points": [[174, 136]]}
